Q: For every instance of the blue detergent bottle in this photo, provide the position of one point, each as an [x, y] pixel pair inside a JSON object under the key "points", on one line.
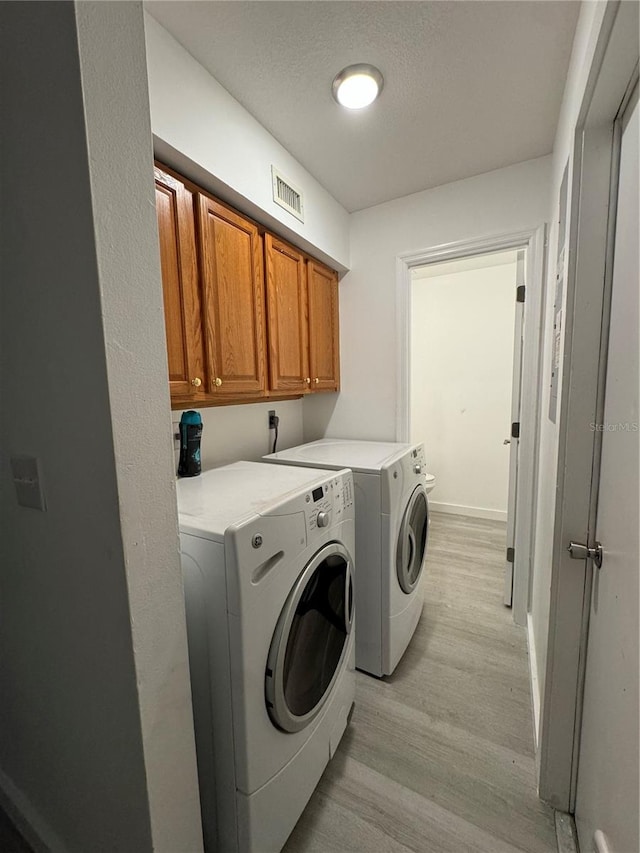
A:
{"points": [[190, 435]]}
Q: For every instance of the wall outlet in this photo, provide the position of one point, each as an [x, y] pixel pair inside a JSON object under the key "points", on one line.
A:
{"points": [[273, 420]]}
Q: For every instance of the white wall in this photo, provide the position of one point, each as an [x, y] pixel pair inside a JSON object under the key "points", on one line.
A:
{"points": [[231, 433], [589, 22], [505, 201], [96, 741], [460, 386], [199, 127]]}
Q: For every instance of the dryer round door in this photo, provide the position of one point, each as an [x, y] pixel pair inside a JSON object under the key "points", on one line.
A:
{"points": [[412, 540], [309, 646]]}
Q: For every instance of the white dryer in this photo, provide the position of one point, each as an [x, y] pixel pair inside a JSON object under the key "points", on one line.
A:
{"points": [[267, 558], [392, 525]]}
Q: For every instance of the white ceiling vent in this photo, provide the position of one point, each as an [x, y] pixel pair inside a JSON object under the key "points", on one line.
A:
{"points": [[286, 195]]}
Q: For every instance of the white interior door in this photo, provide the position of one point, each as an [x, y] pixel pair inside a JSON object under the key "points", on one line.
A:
{"points": [[607, 790], [514, 438]]}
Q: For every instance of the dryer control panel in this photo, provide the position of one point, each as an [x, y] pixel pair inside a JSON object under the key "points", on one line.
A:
{"points": [[330, 502], [417, 460]]}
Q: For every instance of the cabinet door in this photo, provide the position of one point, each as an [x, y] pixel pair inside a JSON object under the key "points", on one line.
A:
{"points": [[174, 207], [233, 285], [324, 342], [286, 316]]}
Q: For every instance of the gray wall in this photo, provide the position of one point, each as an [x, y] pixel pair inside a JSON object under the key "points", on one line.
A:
{"points": [[96, 747]]}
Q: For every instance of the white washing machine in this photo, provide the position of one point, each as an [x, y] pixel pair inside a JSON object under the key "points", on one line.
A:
{"points": [[392, 524], [267, 559]]}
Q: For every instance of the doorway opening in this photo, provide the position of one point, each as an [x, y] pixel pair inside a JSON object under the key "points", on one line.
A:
{"points": [[465, 363], [529, 250], [461, 370]]}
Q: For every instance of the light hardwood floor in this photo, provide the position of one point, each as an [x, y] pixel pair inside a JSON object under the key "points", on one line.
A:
{"points": [[439, 756]]}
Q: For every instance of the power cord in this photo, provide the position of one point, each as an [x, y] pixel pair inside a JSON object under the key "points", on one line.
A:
{"points": [[274, 420]]}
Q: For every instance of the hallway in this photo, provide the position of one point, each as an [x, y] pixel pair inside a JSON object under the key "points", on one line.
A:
{"points": [[439, 757]]}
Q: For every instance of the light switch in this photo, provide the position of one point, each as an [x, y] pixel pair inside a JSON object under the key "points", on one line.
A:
{"points": [[26, 478]]}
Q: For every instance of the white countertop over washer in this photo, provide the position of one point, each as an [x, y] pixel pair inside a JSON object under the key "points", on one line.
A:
{"points": [[249, 488]]}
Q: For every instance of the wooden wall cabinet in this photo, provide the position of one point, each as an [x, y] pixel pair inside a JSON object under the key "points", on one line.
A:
{"points": [[324, 332], [247, 315], [302, 313], [287, 316], [233, 300], [174, 207]]}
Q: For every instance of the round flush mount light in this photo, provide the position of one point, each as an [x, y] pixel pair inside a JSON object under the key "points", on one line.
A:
{"points": [[357, 86]]}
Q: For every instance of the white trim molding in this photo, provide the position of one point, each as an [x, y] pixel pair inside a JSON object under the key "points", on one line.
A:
{"points": [[534, 240], [534, 680], [470, 511]]}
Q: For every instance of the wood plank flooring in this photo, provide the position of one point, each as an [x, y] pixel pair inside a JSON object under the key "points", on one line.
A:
{"points": [[439, 756]]}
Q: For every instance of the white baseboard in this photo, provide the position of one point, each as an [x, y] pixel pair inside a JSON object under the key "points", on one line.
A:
{"points": [[535, 682], [473, 511], [29, 822]]}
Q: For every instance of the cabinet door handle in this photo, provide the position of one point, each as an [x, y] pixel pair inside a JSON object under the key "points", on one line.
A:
{"points": [[316, 380], [308, 381], [197, 382], [218, 382]]}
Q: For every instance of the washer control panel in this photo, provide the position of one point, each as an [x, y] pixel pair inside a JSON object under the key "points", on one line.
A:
{"points": [[331, 502]]}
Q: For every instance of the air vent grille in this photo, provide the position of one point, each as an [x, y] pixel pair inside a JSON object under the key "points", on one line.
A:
{"points": [[286, 195]]}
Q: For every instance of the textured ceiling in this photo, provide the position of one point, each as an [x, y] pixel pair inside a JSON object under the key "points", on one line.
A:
{"points": [[469, 86]]}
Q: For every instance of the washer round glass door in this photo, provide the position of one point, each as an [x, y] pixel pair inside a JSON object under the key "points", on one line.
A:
{"points": [[311, 639], [412, 540]]}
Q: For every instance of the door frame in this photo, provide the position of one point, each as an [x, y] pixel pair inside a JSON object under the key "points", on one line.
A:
{"points": [[534, 241], [589, 267], [514, 441]]}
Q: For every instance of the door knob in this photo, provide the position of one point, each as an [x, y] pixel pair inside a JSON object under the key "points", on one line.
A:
{"points": [[578, 551], [197, 382], [218, 382]]}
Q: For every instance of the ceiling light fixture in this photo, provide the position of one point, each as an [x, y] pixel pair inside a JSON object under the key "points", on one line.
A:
{"points": [[357, 86]]}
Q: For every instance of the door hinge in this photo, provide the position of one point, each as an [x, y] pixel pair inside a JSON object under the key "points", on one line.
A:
{"points": [[520, 290], [515, 430], [511, 553]]}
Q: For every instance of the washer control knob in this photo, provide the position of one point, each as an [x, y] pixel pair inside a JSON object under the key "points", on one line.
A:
{"points": [[323, 519], [417, 469]]}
